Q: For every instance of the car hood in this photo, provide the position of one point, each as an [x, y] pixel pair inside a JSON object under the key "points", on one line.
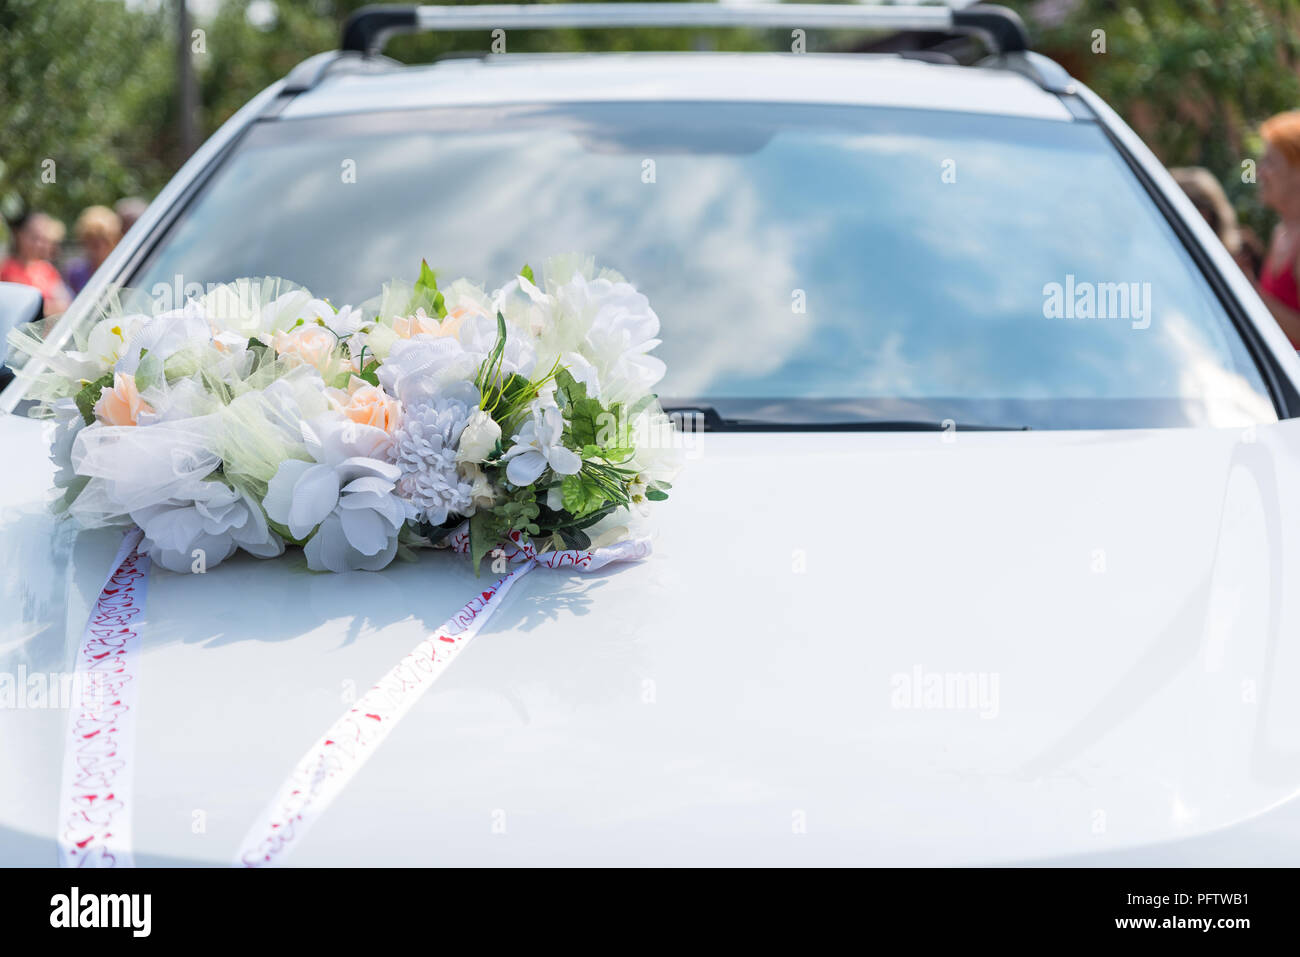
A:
{"points": [[847, 648]]}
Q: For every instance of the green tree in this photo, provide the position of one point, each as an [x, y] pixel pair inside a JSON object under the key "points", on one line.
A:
{"points": [[91, 85], [1194, 78], [84, 94]]}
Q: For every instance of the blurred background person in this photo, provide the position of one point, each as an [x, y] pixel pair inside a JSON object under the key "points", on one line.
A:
{"points": [[34, 243], [1252, 251], [98, 230], [1279, 190], [129, 210], [1207, 195]]}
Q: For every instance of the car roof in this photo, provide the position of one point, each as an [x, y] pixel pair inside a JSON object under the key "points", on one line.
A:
{"points": [[852, 79]]}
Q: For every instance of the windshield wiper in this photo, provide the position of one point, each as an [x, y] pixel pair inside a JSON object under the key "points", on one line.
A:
{"points": [[705, 418]]}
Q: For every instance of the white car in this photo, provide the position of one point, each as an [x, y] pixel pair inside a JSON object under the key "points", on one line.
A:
{"points": [[986, 555]]}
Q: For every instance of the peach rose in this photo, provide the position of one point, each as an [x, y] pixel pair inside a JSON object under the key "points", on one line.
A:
{"points": [[422, 324], [366, 404], [121, 405], [451, 322], [309, 344]]}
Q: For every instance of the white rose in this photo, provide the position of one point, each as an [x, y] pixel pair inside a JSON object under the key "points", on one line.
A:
{"points": [[479, 438], [378, 341]]}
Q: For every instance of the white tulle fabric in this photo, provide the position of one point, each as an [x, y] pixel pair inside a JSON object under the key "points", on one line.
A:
{"points": [[131, 468]]}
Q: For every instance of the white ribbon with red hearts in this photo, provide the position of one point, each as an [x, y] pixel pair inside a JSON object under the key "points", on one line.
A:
{"points": [[95, 806], [95, 800], [339, 753]]}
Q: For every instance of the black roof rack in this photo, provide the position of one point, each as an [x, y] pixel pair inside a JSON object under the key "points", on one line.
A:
{"points": [[369, 28]]}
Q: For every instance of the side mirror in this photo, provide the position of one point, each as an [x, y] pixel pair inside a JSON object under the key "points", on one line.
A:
{"points": [[18, 304]]}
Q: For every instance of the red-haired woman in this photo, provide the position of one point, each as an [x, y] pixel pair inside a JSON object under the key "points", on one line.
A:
{"points": [[1279, 189]]}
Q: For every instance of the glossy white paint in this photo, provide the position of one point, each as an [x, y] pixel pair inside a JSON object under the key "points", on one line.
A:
{"points": [[1127, 589]]}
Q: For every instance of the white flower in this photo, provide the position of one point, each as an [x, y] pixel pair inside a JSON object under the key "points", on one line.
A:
{"points": [[346, 496], [478, 334], [427, 366], [375, 342], [67, 423], [209, 520], [583, 372], [345, 322], [424, 447], [482, 492], [613, 327], [163, 336], [539, 444], [524, 305], [283, 312], [463, 297], [108, 340], [660, 451], [480, 436], [618, 344]]}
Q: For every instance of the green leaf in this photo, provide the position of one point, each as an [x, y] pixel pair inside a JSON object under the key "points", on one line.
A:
{"points": [[490, 370], [574, 538], [527, 273], [584, 420], [428, 278], [262, 353], [581, 495], [655, 495], [89, 395], [283, 532], [370, 373], [149, 372], [587, 419], [426, 294], [573, 495], [593, 518], [486, 530], [515, 393]]}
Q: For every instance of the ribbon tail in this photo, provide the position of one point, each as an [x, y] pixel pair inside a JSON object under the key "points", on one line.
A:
{"points": [[338, 755], [95, 805]]}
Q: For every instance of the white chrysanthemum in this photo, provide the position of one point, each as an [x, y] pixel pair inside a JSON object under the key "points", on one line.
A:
{"points": [[424, 448]]}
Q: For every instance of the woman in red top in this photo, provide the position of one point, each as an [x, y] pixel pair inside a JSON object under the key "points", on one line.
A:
{"points": [[34, 243], [1279, 189]]}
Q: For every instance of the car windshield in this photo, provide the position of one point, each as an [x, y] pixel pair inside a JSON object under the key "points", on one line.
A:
{"points": [[810, 264]]}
